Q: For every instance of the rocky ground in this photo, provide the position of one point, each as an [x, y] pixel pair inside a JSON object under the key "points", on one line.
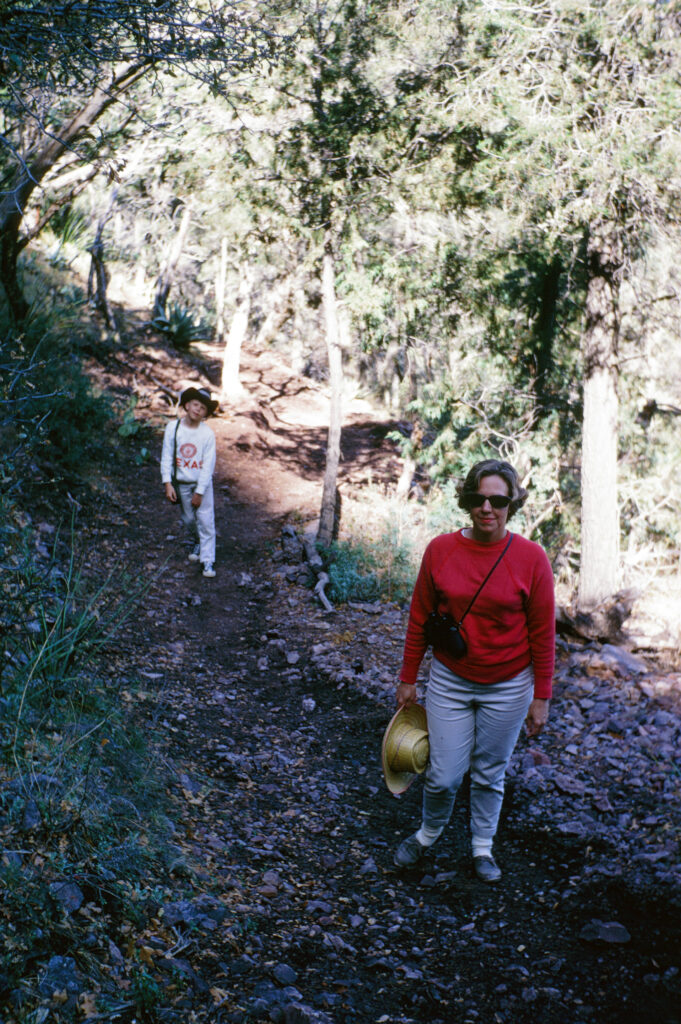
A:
{"points": [[281, 902]]}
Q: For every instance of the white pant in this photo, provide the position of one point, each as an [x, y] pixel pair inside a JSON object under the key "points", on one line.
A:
{"points": [[476, 726], [200, 522]]}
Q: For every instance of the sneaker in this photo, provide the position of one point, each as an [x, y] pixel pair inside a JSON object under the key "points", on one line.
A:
{"points": [[208, 570], [408, 852], [487, 869], [195, 553]]}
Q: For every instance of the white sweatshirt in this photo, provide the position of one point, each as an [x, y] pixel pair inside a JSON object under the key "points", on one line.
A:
{"points": [[195, 454]]}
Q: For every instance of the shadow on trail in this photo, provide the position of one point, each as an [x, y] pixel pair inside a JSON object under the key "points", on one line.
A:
{"points": [[302, 450]]}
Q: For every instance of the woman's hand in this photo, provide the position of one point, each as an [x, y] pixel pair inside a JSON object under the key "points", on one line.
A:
{"points": [[196, 500], [170, 493], [537, 716], [406, 694]]}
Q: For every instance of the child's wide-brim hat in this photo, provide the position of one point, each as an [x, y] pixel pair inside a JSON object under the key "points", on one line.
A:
{"points": [[406, 748], [202, 395]]}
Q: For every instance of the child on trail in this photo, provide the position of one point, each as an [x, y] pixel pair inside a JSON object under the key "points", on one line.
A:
{"points": [[187, 464]]}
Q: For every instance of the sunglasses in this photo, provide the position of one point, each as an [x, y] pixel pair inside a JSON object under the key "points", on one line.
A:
{"points": [[478, 500]]}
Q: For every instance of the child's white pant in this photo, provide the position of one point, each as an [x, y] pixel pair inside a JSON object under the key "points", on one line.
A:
{"points": [[200, 522], [476, 726]]}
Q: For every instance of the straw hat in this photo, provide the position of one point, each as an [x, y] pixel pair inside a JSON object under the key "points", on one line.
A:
{"points": [[405, 747]]}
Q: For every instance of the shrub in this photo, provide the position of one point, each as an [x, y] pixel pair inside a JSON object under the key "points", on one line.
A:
{"points": [[74, 768], [365, 567], [180, 327], [78, 783], [49, 409], [350, 577], [146, 993], [69, 225]]}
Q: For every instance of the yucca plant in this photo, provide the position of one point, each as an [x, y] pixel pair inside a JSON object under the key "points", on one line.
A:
{"points": [[69, 225]]}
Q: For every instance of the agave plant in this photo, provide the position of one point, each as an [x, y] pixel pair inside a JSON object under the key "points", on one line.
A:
{"points": [[180, 326]]}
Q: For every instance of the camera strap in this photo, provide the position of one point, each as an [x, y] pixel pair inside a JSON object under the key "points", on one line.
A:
{"points": [[477, 592], [174, 469]]}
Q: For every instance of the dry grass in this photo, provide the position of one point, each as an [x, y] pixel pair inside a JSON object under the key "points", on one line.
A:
{"points": [[399, 531]]}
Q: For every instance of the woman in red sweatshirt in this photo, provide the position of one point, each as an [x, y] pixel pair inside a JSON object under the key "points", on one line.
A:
{"points": [[477, 701]]}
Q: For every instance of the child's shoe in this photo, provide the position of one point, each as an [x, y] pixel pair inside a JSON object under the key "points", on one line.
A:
{"points": [[195, 553], [208, 570]]}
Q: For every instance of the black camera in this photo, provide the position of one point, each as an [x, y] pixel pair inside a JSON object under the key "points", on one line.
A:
{"points": [[444, 634]]}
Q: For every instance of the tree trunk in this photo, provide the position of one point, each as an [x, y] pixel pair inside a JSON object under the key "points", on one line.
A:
{"points": [[280, 310], [598, 577], [327, 517], [231, 389], [406, 476], [98, 279], [30, 175], [220, 278], [10, 247], [545, 332], [409, 465], [166, 277]]}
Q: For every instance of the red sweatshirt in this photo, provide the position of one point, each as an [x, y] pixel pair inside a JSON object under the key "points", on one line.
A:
{"points": [[510, 626]]}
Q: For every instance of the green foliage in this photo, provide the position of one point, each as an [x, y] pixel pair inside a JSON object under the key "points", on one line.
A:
{"points": [[459, 187], [147, 994], [141, 456], [377, 565], [181, 327], [74, 769], [69, 225], [62, 731], [129, 424], [649, 496], [74, 417], [53, 629], [60, 716], [351, 574], [52, 412], [53, 419]]}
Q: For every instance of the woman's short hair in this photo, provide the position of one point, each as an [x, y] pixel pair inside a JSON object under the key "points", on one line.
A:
{"points": [[493, 467]]}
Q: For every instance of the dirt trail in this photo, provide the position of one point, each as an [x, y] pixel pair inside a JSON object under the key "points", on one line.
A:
{"points": [[282, 902], [272, 444]]}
